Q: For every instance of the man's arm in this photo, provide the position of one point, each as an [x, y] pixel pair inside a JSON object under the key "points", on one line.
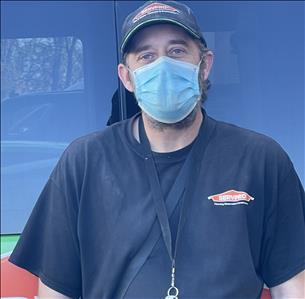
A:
{"points": [[293, 288], [46, 292]]}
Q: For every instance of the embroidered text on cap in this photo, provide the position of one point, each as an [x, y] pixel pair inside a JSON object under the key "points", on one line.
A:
{"points": [[155, 8]]}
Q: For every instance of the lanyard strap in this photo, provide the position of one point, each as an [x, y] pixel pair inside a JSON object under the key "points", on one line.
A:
{"points": [[148, 243], [178, 190]]}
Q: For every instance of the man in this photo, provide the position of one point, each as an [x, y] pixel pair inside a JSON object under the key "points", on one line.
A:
{"points": [[171, 202]]}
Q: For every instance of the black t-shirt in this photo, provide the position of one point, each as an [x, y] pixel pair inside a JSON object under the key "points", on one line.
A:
{"points": [[93, 232]]}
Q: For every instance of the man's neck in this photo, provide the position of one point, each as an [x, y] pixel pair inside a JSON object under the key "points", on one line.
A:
{"points": [[169, 139]]}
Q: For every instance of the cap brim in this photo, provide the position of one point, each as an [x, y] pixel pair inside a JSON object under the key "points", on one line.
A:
{"points": [[154, 21]]}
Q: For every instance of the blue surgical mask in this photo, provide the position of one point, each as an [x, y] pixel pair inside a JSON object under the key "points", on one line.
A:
{"points": [[167, 89]]}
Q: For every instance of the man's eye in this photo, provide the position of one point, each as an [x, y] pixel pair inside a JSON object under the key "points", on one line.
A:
{"points": [[146, 57], [177, 51]]}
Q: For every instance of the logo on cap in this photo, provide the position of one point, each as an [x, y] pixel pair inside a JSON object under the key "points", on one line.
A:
{"points": [[155, 8], [231, 197]]}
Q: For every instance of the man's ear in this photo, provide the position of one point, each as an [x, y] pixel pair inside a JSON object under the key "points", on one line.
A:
{"points": [[124, 75], [209, 57]]}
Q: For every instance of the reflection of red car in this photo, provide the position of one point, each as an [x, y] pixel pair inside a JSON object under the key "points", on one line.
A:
{"points": [[27, 286]]}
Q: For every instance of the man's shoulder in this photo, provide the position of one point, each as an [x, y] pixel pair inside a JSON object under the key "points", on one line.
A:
{"points": [[232, 133], [246, 141], [106, 137], [99, 143]]}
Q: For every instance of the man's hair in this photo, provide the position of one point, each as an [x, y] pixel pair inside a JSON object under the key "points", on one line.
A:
{"points": [[204, 85]]}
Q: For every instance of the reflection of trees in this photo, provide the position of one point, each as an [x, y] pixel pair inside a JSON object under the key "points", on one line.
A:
{"points": [[58, 48], [70, 46], [39, 64]]}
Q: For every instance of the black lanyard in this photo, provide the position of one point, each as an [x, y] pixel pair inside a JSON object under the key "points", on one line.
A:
{"points": [[181, 188]]}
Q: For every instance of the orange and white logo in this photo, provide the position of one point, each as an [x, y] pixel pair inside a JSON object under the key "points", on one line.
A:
{"points": [[231, 197], [155, 7]]}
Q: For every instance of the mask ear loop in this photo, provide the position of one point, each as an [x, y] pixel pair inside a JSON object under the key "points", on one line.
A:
{"points": [[207, 81], [199, 76], [202, 58], [131, 77], [129, 70], [200, 62]]}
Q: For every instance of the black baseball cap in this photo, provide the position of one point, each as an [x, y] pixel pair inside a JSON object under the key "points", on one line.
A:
{"points": [[153, 12]]}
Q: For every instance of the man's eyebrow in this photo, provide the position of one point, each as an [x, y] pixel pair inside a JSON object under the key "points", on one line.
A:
{"points": [[179, 41], [139, 49]]}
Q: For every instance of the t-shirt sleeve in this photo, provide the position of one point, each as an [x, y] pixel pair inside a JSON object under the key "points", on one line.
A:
{"points": [[284, 237], [48, 246]]}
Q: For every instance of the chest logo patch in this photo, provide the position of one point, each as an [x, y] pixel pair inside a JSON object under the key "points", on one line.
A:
{"points": [[231, 198]]}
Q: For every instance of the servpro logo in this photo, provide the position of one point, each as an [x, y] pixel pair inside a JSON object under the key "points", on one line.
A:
{"points": [[230, 198], [155, 8]]}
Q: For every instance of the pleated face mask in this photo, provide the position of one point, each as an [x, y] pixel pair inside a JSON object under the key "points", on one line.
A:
{"points": [[167, 89]]}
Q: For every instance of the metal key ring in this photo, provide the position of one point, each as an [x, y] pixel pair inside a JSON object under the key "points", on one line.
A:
{"points": [[173, 289]]}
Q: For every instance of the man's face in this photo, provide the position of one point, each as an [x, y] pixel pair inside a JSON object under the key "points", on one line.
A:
{"points": [[158, 40]]}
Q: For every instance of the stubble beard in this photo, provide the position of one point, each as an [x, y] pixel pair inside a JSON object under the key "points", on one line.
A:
{"points": [[180, 125]]}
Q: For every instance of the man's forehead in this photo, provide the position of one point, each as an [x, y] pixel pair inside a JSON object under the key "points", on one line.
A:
{"points": [[167, 32]]}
